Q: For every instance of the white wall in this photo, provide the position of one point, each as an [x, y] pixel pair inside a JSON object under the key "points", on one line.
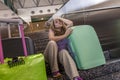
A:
{"points": [[2, 6], [73, 5], [7, 14]]}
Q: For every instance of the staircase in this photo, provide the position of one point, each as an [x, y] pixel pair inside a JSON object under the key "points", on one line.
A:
{"points": [[109, 71]]}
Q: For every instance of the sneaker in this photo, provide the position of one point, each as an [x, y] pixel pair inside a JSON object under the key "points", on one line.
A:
{"points": [[77, 78], [57, 74]]}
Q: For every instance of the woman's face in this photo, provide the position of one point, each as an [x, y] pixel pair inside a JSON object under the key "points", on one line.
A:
{"points": [[57, 23]]}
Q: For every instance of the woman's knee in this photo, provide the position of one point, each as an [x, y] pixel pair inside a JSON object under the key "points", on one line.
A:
{"points": [[64, 56], [52, 43], [64, 52]]}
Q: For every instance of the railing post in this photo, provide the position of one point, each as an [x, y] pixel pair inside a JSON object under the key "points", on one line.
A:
{"points": [[1, 51]]}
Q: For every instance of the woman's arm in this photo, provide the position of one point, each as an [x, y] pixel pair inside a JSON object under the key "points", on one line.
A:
{"points": [[67, 22], [57, 38]]}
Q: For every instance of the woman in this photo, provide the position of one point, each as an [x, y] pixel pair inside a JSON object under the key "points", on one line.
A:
{"points": [[56, 49]]}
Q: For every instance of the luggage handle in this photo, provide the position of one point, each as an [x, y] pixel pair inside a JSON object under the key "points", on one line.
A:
{"points": [[15, 62], [21, 32]]}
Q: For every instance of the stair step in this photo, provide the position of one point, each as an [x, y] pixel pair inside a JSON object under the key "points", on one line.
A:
{"points": [[99, 73], [109, 68], [64, 77], [114, 76]]}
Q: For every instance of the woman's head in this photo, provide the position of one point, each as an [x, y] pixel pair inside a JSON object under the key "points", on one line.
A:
{"points": [[57, 23]]}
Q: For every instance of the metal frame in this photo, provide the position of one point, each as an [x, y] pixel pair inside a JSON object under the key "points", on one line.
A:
{"points": [[36, 2], [21, 32]]}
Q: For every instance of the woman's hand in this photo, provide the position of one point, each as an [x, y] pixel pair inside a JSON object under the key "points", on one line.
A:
{"points": [[68, 32], [68, 23]]}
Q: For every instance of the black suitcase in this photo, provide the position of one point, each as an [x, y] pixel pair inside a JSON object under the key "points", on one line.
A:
{"points": [[12, 47]]}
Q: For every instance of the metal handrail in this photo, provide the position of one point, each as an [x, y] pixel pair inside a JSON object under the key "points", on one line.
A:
{"points": [[90, 10]]}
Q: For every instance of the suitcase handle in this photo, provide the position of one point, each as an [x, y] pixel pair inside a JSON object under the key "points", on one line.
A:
{"points": [[23, 38], [21, 31], [15, 62]]}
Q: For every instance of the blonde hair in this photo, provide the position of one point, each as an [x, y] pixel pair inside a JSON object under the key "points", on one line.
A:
{"points": [[58, 33]]}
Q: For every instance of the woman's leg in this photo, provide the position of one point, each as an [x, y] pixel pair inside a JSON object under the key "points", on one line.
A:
{"points": [[68, 63], [50, 54]]}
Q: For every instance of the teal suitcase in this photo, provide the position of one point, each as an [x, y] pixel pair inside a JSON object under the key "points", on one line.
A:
{"points": [[85, 47]]}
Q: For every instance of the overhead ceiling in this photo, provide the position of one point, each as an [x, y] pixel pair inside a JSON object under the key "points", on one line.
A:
{"points": [[17, 4], [36, 3], [27, 8]]}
